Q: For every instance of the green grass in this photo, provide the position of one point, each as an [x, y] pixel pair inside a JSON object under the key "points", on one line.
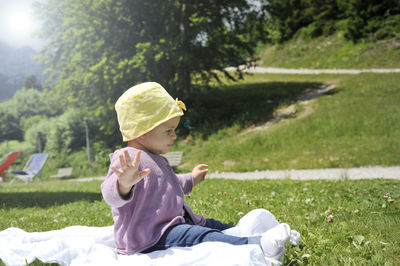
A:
{"points": [[332, 52], [42, 206], [363, 228], [358, 124]]}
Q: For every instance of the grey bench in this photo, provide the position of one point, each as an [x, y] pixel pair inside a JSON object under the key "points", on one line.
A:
{"points": [[63, 172], [174, 157]]}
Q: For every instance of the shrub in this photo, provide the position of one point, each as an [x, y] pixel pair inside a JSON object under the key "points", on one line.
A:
{"points": [[64, 133], [38, 130]]}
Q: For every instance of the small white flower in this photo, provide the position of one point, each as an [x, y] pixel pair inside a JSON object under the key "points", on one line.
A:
{"points": [[151, 98], [308, 201], [157, 111], [143, 118], [137, 105]]}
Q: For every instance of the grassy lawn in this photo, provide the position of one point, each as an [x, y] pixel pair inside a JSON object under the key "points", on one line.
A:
{"points": [[341, 222], [358, 124]]}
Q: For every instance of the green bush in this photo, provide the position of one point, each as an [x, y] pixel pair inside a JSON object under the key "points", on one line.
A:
{"points": [[79, 161], [388, 29], [38, 129], [101, 154], [66, 132], [9, 125]]}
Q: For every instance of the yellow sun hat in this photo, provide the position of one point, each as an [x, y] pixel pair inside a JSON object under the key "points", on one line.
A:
{"points": [[144, 107]]}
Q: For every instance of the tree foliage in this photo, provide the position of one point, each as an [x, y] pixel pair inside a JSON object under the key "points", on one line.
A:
{"points": [[99, 48], [285, 18], [32, 82], [374, 19], [25, 104]]}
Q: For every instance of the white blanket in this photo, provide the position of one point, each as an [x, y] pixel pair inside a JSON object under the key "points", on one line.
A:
{"points": [[83, 245]]}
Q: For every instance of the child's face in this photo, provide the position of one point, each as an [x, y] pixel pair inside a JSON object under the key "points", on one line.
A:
{"points": [[161, 138]]}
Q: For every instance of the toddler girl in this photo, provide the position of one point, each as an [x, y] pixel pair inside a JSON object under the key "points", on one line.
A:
{"points": [[147, 197]]}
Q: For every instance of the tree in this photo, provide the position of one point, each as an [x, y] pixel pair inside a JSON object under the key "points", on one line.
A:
{"points": [[285, 18], [9, 125], [366, 17], [32, 82], [99, 48], [324, 14], [26, 103], [356, 18]]}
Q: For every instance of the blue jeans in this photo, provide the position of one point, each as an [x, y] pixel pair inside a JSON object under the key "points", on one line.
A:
{"points": [[189, 234]]}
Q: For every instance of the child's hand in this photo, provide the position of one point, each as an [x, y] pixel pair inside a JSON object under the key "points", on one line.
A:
{"points": [[199, 173], [129, 173]]}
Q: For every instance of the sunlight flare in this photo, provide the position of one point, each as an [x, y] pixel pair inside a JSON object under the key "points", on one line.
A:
{"points": [[19, 22]]}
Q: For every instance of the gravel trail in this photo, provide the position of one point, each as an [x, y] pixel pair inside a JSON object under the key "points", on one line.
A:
{"points": [[276, 70], [313, 174]]}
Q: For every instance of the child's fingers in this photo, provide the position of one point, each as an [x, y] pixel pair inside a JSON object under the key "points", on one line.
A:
{"points": [[115, 170], [122, 161], [204, 173], [202, 166], [127, 158], [144, 173], [136, 160]]}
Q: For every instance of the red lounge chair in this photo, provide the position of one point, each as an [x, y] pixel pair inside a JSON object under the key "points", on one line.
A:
{"points": [[7, 162]]}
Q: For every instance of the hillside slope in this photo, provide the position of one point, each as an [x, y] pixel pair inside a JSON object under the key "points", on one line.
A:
{"points": [[331, 52]]}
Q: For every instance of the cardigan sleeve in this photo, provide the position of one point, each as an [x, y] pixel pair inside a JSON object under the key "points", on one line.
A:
{"points": [[186, 181], [110, 191]]}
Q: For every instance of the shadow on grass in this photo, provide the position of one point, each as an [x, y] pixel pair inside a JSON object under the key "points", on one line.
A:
{"points": [[10, 200], [214, 108]]}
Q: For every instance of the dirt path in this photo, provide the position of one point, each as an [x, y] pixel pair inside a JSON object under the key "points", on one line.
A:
{"points": [[313, 174], [275, 70]]}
